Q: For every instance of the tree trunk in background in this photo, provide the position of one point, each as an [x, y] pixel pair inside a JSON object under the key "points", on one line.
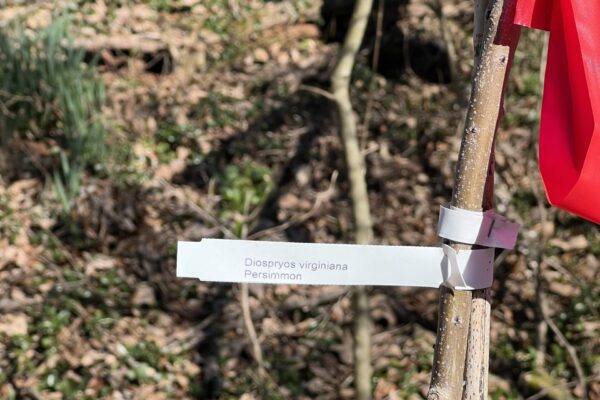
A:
{"points": [[362, 344], [340, 86]]}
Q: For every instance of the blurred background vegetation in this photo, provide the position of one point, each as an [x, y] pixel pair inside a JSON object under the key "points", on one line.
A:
{"points": [[128, 125]]}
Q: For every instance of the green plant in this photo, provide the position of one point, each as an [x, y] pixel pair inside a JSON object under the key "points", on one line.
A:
{"points": [[53, 319], [242, 188], [215, 111], [69, 387], [162, 5], [170, 136], [524, 201], [49, 95]]}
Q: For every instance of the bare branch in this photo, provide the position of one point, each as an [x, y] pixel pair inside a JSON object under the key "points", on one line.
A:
{"points": [[318, 91], [340, 86]]}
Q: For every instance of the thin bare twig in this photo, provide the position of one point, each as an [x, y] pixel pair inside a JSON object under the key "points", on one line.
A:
{"points": [[247, 316], [562, 340], [537, 248], [438, 8], [318, 91], [542, 393], [321, 198], [202, 213], [374, 67], [193, 336], [302, 302], [251, 331], [546, 321], [11, 306]]}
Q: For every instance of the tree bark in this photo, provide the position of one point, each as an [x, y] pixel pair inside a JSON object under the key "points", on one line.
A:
{"points": [[340, 84], [471, 175], [362, 344], [478, 348], [451, 344]]}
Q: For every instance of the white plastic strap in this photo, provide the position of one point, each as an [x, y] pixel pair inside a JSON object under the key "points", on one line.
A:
{"points": [[455, 275], [220, 260], [475, 227], [467, 269]]}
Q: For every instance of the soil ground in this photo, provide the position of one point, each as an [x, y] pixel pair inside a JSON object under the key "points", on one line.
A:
{"points": [[215, 129]]}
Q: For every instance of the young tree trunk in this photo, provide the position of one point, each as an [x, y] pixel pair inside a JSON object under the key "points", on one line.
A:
{"points": [[340, 86], [472, 173], [478, 343], [362, 344], [478, 348]]}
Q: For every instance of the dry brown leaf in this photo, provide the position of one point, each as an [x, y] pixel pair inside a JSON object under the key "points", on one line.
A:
{"points": [[98, 263], [14, 324], [575, 243], [91, 357], [564, 289], [261, 55], [385, 390], [144, 295]]}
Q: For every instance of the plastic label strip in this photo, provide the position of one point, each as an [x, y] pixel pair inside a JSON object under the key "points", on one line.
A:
{"points": [[221, 260]]}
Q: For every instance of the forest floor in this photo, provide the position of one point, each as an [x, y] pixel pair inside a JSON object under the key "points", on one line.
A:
{"points": [[215, 130]]}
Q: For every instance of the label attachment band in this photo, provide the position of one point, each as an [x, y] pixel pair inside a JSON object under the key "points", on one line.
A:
{"points": [[221, 260], [475, 227]]}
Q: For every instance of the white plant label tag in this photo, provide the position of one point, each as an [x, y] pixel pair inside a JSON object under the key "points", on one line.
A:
{"points": [[222, 260]]}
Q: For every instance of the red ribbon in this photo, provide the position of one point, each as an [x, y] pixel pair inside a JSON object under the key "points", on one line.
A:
{"points": [[570, 122]]}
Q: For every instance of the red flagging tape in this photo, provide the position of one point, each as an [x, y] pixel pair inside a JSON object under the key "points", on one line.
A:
{"points": [[570, 121]]}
